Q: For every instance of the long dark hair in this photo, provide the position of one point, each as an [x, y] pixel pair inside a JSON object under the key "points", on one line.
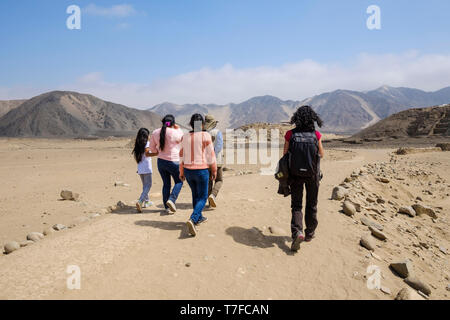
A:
{"points": [[140, 143], [304, 119], [167, 121], [195, 119]]}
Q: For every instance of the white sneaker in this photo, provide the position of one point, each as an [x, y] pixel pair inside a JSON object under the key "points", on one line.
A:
{"points": [[171, 206], [168, 211], [212, 201], [191, 228], [147, 204]]}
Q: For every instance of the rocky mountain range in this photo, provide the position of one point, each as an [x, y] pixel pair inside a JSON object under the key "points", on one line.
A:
{"points": [[343, 111], [8, 105], [71, 114]]}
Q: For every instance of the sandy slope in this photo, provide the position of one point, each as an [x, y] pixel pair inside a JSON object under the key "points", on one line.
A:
{"points": [[145, 256]]}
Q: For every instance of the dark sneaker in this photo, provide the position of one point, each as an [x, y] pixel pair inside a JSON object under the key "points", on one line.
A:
{"points": [[191, 228], [309, 237], [296, 242], [202, 220]]}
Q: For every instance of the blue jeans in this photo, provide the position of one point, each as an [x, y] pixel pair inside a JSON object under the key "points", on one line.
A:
{"points": [[198, 181], [146, 186], [169, 169]]}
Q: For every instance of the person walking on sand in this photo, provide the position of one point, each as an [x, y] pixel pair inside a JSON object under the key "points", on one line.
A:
{"points": [[217, 139], [197, 156], [166, 141], [142, 155], [304, 145]]}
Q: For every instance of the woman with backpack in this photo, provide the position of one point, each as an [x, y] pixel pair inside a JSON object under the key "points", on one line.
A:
{"points": [[304, 145]]}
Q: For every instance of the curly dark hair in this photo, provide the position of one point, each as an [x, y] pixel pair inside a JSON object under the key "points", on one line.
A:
{"points": [[304, 119]]}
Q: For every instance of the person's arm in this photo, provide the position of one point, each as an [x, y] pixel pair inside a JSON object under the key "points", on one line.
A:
{"points": [[219, 143], [181, 165], [211, 156], [149, 153], [286, 147], [153, 145], [321, 151], [149, 148]]}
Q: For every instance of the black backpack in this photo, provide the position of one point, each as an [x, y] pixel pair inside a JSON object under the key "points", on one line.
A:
{"points": [[304, 154]]}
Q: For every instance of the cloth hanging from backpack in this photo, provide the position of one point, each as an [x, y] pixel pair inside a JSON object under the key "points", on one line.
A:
{"points": [[282, 175]]}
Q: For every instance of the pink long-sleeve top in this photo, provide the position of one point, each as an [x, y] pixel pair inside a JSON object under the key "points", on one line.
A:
{"points": [[172, 144], [197, 152]]}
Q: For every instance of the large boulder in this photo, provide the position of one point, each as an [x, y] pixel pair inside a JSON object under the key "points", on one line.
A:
{"points": [[339, 193], [69, 195], [408, 211], [415, 283], [367, 243], [421, 209], [35, 236], [11, 247], [377, 233], [408, 294], [349, 208], [403, 268]]}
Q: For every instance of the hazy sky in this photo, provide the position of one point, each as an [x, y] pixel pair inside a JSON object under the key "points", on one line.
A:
{"points": [[144, 52]]}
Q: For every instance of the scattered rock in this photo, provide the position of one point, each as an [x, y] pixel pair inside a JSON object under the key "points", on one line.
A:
{"points": [[403, 268], [376, 256], [69, 195], [384, 180], [35, 236], [11, 247], [370, 200], [377, 233], [367, 222], [367, 243], [421, 209], [339, 193], [415, 283], [277, 231], [121, 205], [48, 231], [386, 290], [188, 264], [408, 211], [59, 227], [349, 208], [121, 184], [408, 294], [443, 146], [26, 243]]}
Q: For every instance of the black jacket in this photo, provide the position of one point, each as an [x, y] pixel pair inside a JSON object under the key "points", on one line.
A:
{"points": [[282, 175]]}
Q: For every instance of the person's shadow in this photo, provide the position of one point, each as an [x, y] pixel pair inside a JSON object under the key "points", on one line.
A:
{"points": [[166, 225], [255, 238]]}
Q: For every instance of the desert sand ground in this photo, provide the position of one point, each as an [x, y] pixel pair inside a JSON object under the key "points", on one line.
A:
{"points": [[242, 252]]}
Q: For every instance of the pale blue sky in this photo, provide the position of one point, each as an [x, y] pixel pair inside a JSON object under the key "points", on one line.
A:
{"points": [[151, 47]]}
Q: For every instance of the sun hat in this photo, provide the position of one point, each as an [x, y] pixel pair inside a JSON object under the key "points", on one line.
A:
{"points": [[210, 122]]}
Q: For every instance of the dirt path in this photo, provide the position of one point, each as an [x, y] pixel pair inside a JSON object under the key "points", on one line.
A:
{"points": [[150, 256]]}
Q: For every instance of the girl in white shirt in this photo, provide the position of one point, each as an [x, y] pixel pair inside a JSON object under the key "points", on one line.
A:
{"points": [[142, 155]]}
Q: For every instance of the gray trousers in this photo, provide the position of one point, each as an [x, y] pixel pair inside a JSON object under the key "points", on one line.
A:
{"points": [[146, 186]]}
